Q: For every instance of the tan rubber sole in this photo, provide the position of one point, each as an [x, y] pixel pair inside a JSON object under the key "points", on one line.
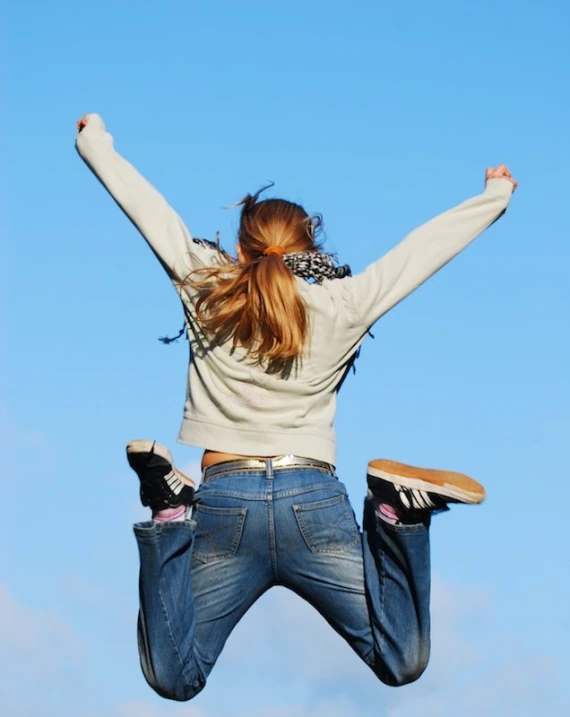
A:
{"points": [[449, 483], [144, 446]]}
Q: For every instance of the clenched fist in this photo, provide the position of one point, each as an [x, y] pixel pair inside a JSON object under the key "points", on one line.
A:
{"points": [[501, 172]]}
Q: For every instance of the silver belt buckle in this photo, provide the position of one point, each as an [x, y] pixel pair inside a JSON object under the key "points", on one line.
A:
{"points": [[292, 460], [287, 460], [284, 461]]}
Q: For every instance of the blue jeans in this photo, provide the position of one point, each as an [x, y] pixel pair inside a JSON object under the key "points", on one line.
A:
{"points": [[294, 527]]}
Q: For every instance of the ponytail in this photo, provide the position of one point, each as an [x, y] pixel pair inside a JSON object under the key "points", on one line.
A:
{"points": [[256, 303]]}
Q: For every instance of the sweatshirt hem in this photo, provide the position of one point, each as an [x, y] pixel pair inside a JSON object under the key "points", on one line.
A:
{"points": [[248, 442]]}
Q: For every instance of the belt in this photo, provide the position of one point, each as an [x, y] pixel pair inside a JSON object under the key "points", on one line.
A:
{"points": [[263, 464]]}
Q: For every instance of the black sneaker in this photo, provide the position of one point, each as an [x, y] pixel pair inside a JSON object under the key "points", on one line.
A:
{"points": [[412, 492], [162, 485]]}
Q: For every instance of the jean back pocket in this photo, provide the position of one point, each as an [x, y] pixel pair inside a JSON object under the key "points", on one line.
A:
{"points": [[218, 532], [328, 526]]}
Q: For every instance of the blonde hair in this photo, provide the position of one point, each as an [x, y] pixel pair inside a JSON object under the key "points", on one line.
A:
{"points": [[256, 304]]}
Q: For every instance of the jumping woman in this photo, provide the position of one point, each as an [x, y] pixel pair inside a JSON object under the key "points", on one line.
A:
{"points": [[272, 336]]}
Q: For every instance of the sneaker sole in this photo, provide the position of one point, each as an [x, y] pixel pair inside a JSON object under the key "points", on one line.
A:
{"points": [[449, 484], [139, 448]]}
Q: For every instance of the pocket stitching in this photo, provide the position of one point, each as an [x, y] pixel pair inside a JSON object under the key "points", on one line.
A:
{"points": [[299, 509], [227, 554]]}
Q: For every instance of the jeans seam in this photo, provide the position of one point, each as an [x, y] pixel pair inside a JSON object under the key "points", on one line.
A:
{"points": [[270, 477], [278, 496], [382, 576], [234, 494], [307, 489], [183, 668]]}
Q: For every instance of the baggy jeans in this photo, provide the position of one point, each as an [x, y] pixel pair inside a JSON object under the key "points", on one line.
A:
{"points": [[295, 527]]}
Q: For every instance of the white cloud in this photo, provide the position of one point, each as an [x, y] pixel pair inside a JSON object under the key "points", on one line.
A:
{"points": [[92, 597], [285, 661], [335, 707], [452, 610], [287, 635], [35, 633], [293, 652], [20, 439], [40, 658], [145, 709], [524, 687], [301, 640]]}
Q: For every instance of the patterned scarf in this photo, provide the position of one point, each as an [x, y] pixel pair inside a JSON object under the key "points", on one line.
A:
{"points": [[313, 266], [316, 266]]}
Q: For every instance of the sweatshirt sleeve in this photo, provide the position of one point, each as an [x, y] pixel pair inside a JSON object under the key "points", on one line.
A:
{"points": [[147, 209], [387, 281]]}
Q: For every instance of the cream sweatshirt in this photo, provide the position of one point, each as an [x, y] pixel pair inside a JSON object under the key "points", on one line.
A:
{"points": [[231, 404]]}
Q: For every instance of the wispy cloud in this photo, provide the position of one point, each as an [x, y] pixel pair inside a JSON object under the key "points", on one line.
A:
{"points": [[38, 648], [283, 660], [142, 708], [34, 632], [292, 651], [527, 686], [18, 439], [333, 707]]}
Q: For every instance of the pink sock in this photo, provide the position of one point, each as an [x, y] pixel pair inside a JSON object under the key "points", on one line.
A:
{"points": [[171, 514], [387, 513]]}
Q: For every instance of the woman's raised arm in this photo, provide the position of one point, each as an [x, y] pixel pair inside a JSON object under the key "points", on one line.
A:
{"points": [[159, 224], [426, 250]]}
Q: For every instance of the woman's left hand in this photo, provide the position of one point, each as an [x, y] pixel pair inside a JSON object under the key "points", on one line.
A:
{"points": [[501, 172]]}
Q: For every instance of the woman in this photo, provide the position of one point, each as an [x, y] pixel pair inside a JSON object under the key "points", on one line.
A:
{"points": [[272, 337]]}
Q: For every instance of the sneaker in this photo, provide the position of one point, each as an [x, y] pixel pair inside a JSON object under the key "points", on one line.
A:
{"points": [[412, 492], [162, 485]]}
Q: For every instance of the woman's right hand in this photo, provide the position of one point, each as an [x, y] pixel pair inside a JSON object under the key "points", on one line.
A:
{"points": [[82, 123], [500, 172]]}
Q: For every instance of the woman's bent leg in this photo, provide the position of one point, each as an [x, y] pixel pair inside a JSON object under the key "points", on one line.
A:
{"points": [[197, 579], [397, 576], [372, 588], [166, 623]]}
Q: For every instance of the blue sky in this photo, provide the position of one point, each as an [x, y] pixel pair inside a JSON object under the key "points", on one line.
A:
{"points": [[380, 116]]}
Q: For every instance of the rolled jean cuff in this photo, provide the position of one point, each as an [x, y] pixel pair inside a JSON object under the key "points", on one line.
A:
{"points": [[150, 528], [404, 529]]}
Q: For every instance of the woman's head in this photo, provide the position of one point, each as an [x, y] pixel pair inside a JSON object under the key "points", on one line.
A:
{"points": [[255, 303], [274, 223]]}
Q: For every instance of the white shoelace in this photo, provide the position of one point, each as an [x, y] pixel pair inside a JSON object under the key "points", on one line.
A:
{"points": [[414, 499], [174, 483]]}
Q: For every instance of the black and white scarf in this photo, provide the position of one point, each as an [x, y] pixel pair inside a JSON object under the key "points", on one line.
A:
{"points": [[313, 266], [316, 266]]}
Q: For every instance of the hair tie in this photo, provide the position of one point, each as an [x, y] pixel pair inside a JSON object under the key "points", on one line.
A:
{"points": [[278, 250]]}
